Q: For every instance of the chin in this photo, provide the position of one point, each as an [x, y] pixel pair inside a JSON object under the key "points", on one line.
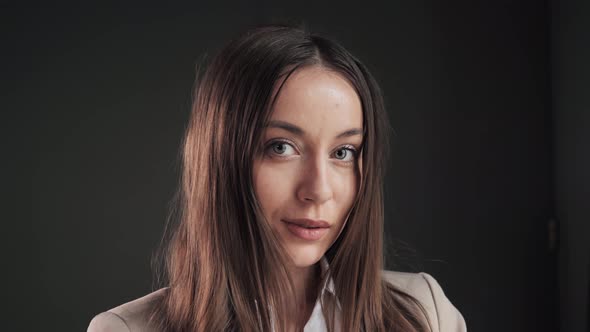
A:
{"points": [[306, 256]]}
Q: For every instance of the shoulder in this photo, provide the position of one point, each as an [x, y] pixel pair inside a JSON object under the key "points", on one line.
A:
{"points": [[443, 315], [128, 317]]}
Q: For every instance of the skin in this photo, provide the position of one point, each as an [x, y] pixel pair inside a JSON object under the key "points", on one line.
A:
{"points": [[312, 173]]}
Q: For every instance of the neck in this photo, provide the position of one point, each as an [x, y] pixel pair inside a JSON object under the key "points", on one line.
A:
{"points": [[306, 281]]}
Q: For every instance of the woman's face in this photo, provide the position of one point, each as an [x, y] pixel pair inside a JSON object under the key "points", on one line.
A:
{"points": [[308, 169]]}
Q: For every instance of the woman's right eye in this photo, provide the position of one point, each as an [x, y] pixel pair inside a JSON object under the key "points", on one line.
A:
{"points": [[281, 148]]}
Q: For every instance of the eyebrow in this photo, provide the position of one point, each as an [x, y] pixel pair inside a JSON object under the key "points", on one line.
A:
{"points": [[300, 132]]}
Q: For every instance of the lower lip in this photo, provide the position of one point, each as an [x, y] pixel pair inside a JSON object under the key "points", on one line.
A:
{"points": [[309, 234]]}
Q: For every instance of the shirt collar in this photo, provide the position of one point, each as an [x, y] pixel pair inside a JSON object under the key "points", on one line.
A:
{"points": [[329, 286]]}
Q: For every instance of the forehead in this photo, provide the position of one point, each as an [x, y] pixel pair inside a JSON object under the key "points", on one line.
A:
{"points": [[316, 95]]}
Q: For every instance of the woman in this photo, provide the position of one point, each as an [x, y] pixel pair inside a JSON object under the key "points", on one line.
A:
{"points": [[281, 202]]}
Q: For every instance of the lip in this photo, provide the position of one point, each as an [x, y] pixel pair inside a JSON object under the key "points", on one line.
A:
{"points": [[298, 228], [304, 222]]}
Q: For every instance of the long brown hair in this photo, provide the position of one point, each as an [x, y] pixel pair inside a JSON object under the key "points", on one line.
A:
{"points": [[223, 265]]}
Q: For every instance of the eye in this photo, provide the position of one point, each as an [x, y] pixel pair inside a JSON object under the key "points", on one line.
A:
{"points": [[346, 154], [281, 148]]}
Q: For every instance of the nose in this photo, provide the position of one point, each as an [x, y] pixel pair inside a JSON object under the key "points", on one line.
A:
{"points": [[314, 185]]}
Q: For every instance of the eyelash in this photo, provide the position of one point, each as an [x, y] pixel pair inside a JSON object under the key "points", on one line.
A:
{"points": [[348, 147]]}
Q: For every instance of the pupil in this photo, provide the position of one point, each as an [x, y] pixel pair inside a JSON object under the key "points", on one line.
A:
{"points": [[280, 147], [340, 154]]}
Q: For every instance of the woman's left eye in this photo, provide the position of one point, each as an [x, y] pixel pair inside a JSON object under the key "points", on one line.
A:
{"points": [[346, 154]]}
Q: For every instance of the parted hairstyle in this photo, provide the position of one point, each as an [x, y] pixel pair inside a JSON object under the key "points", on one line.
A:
{"points": [[223, 265]]}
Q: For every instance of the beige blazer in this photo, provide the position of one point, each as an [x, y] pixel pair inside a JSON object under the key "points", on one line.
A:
{"points": [[444, 317]]}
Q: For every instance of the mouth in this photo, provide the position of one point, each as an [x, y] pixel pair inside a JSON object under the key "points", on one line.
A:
{"points": [[308, 223], [307, 229]]}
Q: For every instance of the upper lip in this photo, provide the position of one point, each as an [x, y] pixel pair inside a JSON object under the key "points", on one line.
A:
{"points": [[309, 222]]}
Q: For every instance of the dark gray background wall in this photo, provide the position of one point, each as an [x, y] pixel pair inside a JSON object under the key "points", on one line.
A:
{"points": [[571, 105], [483, 157]]}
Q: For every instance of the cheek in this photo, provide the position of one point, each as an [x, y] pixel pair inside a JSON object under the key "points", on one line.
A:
{"points": [[345, 191], [355, 185], [271, 189], [350, 191], [355, 182]]}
